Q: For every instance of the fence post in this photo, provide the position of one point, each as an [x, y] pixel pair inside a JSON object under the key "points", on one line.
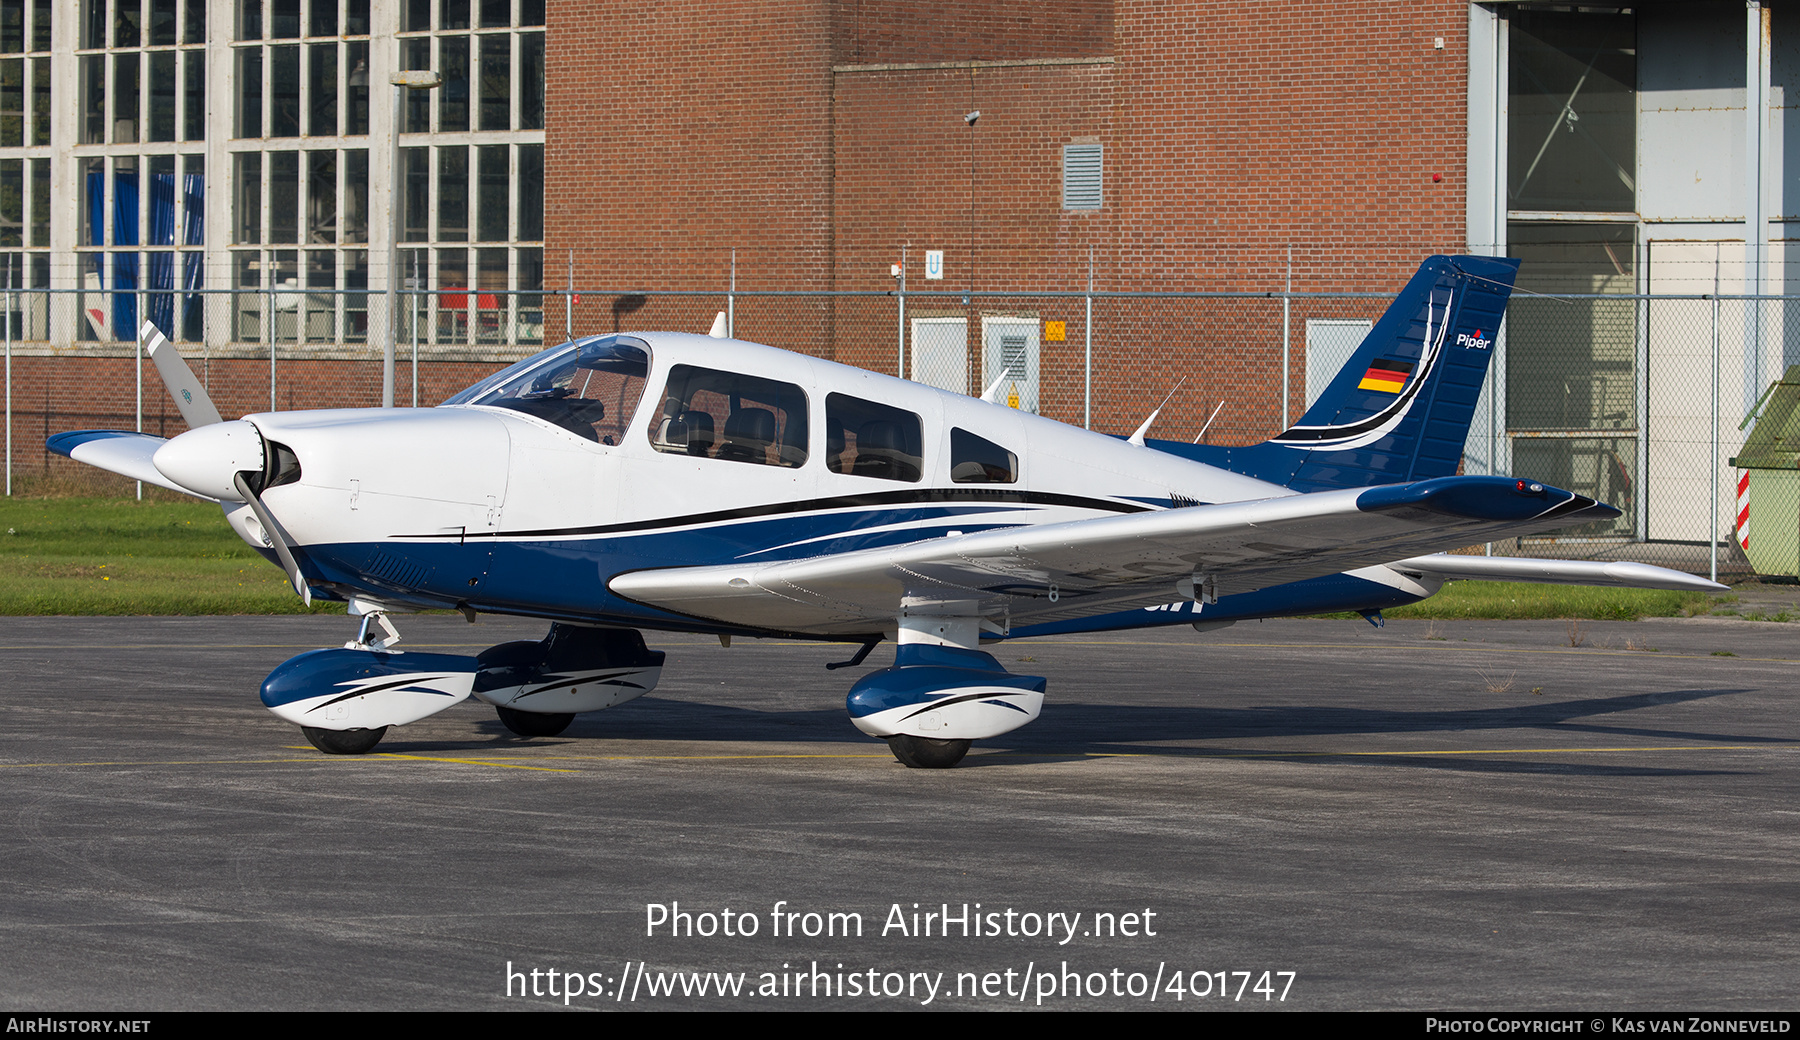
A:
{"points": [[269, 329], [731, 300], [1287, 297], [569, 301], [9, 430], [414, 298], [1087, 356], [137, 351], [900, 329], [1712, 463]]}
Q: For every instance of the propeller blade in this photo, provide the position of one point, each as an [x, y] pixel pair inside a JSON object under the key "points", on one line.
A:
{"points": [[191, 398], [277, 539]]}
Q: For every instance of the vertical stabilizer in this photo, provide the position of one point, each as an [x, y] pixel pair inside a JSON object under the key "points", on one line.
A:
{"points": [[1400, 409]]}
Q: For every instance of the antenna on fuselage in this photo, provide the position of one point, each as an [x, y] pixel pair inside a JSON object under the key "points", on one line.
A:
{"points": [[718, 327], [992, 394], [1209, 419], [1138, 437]]}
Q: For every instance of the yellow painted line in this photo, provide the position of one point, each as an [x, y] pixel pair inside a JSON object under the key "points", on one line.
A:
{"points": [[169, 762], [472, 762]]}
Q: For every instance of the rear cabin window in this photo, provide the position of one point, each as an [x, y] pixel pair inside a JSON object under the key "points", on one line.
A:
{"points": [[865, 439], [977, 460], [725, 415]]}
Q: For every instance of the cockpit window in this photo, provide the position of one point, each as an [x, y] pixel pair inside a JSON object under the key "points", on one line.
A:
{"points": [[590, 387], [725, 415], [866, 439]]}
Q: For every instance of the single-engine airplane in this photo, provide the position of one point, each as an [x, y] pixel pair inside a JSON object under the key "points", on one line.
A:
{"points": [[669, 481]]}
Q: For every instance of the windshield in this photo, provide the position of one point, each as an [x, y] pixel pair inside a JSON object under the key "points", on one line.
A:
{"points": [[590, 387]]}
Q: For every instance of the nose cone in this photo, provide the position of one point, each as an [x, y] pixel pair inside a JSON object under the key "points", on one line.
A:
{"points": [[205, 460]]}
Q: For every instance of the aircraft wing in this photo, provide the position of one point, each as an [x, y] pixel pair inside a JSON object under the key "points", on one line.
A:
{"points": [[1055, 572], [117, 451]]}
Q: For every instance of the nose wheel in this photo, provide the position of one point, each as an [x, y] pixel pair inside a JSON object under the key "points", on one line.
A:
{"points": [[926, 753], [344, 741], [533, 724]]}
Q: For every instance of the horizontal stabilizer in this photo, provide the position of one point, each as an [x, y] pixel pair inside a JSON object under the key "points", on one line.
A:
{"points": [[117, 451], [1616, 573]]}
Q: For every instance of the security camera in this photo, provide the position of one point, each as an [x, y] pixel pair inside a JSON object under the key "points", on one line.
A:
{"points": [[971, 117]]}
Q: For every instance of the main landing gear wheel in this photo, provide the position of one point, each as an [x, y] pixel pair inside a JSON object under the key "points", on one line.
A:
{"points": [[926, 753], [343, 741], [533, 724]]}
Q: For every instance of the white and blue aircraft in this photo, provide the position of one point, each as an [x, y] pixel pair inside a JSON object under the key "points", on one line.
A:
{"points": [[677, 482]]}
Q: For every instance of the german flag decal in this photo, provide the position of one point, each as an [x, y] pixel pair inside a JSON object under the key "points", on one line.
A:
{"points": [[1386, 377]]}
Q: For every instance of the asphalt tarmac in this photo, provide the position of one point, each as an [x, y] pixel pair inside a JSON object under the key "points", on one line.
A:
{"points": [[1288, 815]]}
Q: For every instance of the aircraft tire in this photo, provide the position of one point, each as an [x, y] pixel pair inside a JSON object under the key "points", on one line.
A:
{"points": [[343, 741], [533, 724], [926, 753]]}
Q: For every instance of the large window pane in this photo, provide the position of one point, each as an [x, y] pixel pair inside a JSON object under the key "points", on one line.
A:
{"points": [[355, 219], [193, 106], [12, 102], [93, 24], [531, 193], [193, 27], [125, 24], [453, 194], [415, 207], [322, 196], [284, 19], [249, 92], [324, 18], [40, 202], [12, 202], [1572, 110], [455, 14], [453, 95], [40, 101], [356, 102], [246, 198], [126, 195], [418, 16], [12, 26], [125, 99], [159, 221], [162, 96], [40, 24], [284, 92], [531, 81], [356, 18], [416, 55], [284, 196], [322, 89], [162, 23], [492, 191], [496, 82], [1570, 363]]}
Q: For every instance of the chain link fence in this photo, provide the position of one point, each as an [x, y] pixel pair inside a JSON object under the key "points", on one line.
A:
{"points": [[1634, 399]]}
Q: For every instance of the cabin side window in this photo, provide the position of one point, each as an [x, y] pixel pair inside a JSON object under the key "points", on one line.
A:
{"points": [[865, 439], [724, 415], [977, 460]]}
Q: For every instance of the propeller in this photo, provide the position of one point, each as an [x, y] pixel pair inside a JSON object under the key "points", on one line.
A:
{"points": [[214, 457]]}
